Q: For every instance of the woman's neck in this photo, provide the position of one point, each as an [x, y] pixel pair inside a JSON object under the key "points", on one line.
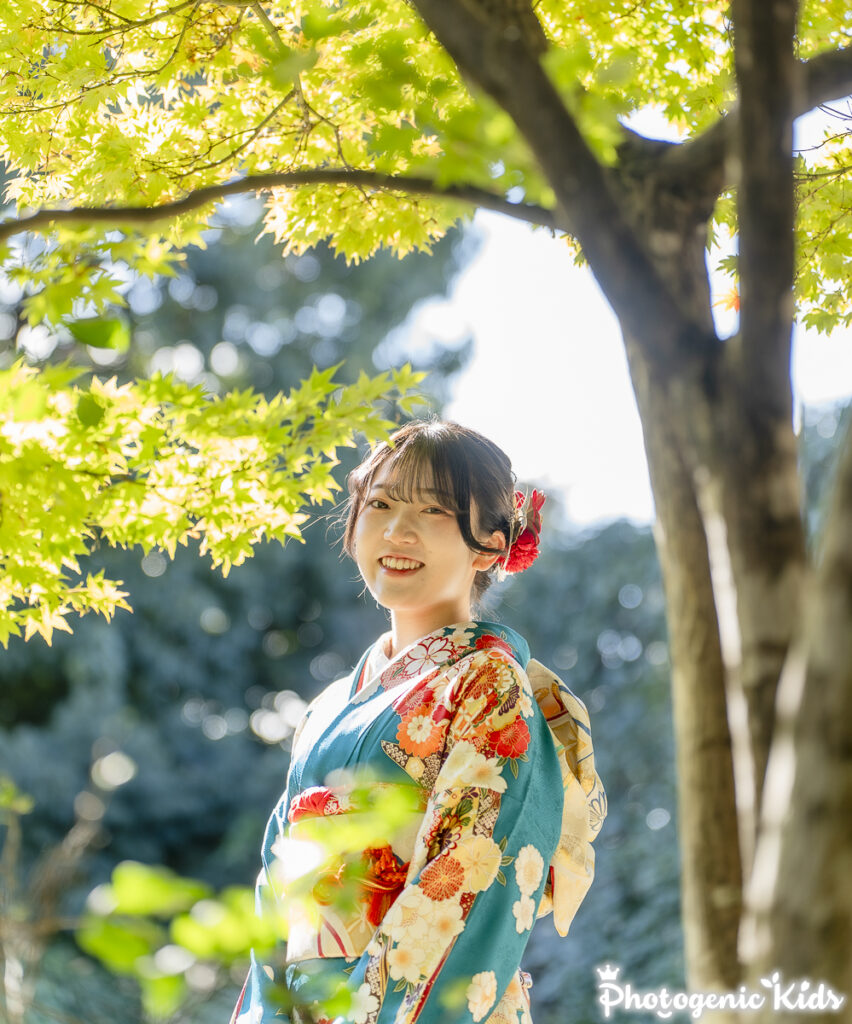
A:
{"points": [[406, 627]]}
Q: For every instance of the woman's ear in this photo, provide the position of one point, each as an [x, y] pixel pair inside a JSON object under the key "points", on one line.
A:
{"points": [[481, 561]]}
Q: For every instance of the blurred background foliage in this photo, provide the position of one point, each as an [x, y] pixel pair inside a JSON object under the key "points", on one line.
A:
{"points": [[163, 737]]}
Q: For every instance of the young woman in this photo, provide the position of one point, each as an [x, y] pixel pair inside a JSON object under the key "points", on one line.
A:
{"points": [[494, 747]]}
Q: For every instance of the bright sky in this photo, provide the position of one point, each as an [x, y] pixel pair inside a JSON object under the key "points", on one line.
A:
{"points": [[548, 380]]}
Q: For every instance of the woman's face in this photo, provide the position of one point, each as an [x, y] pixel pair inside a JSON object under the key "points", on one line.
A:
{"points": [[412, 556]]}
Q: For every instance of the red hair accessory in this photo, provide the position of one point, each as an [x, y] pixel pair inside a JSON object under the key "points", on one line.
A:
{"points": [[523, 550]]}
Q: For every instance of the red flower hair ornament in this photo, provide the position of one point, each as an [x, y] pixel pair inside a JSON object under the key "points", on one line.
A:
{"points": [[526, 529]]}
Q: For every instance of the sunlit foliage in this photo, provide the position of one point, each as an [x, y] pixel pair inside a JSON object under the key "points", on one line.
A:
{"points": [[140, 102], [155, 463]]}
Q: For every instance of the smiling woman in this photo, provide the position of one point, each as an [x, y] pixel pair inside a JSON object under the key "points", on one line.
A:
{"points": [[454, 471], [427, 919], [414, 526]]}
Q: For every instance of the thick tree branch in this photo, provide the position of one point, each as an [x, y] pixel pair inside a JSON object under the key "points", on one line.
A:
{"points": [[141, 216], [825, 77], [493, 44]]}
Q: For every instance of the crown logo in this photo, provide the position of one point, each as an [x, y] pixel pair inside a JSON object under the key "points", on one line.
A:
{"points": [[608, 972]]}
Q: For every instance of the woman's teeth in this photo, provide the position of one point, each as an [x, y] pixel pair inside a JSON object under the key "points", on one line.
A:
{"points": [[399, 563]]}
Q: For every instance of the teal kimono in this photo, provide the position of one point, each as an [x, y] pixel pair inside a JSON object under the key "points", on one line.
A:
{"points": [[428, 920]]}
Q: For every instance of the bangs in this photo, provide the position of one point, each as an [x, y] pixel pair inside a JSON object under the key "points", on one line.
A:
{"points": [[421, 468]]}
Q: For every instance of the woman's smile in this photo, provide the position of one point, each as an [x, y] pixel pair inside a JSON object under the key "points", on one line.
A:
{"points": [[398, 565]]}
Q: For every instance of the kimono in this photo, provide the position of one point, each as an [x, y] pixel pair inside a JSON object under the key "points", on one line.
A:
{"points": [[493, 756]]}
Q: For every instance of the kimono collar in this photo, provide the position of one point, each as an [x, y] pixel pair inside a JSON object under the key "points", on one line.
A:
{"points": [[448, 643], [485, 631]]}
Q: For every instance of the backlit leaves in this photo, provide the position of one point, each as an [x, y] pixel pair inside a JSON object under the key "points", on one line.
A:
{"points": [[155, 926], [139, 102], [156, 463]]}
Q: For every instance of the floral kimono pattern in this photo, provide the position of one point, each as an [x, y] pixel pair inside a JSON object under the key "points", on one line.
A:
{"points": [[447, 899]]}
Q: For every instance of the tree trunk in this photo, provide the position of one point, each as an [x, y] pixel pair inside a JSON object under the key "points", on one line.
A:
{"points": [[799, 915], [674, 225], [748, 488], [710, 858]]}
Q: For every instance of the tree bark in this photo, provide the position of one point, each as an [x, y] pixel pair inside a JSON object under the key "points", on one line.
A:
{"points": [[670, 404], [748, 491], [707, 821], [799, 905], [747, 471]]}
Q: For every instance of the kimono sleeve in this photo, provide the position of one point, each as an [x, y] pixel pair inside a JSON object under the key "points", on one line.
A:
{"points": [[451, 944], [256, 1003]]}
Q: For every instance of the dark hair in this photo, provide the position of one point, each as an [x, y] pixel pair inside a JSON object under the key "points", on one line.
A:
{"points": [[464, 467]]}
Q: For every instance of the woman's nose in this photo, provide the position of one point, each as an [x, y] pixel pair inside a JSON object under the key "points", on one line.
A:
{"points": [[400, 526]]}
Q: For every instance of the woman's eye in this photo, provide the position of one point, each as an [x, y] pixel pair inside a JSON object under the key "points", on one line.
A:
{"points": [[377, 503], [436, 509]]}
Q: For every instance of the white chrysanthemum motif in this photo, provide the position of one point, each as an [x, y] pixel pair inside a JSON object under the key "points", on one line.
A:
{"points": [[420, 727], [481, 993], [407, 960], [480, 859], [465, 766], [523, 909], [409, 919], [363, 1004], [528, 868], [445, 922]]}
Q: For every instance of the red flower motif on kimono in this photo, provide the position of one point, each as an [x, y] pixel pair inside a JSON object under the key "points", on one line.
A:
{"points": [[313, 802], [441, 714], [442, 878], [488, 640], [524, 551], [482, 684], [419, 734], [510, 741], [418, 697]]}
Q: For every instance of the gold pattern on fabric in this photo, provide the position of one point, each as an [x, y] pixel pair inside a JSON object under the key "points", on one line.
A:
{"points": [[584, 799]]}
